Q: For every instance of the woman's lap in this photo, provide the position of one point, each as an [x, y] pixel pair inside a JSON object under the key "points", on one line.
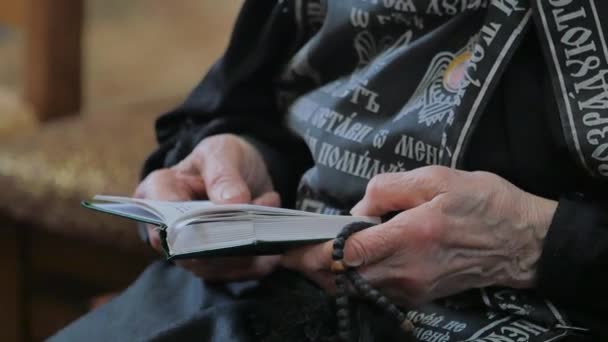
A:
{"points": [[168, 303], [165, 302]]}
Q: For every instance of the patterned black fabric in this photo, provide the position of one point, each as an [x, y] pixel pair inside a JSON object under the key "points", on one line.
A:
{"points": [[286, 307]]}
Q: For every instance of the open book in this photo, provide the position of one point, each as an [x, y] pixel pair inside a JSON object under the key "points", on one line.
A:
{"points": [[199, 228]]}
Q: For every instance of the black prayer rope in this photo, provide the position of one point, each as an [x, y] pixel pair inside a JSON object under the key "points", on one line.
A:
{"points": [[344, 274]]}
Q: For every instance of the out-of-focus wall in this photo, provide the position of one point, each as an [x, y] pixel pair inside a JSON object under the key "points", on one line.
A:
{"points": [[138, 49], [140, 56]]}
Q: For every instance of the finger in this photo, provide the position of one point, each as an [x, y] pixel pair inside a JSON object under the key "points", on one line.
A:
{"points": [[224, 182], [325, 279], [170, 185], [376, 243], [194, 184], [314, 262], [309, 258], [212, 269], [415, 229], [270, 199], [265, 264], [231, 268], [154, 238], [177, 187], [391, 192], [362, 248], [370, 245]]}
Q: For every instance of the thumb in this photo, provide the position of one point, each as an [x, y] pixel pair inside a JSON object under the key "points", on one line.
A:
{"points": [[225, 184], [170, 185], [269, 199], [370, 246]]}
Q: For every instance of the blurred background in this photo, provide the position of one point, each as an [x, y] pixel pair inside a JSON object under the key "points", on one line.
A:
{"points": [[81, 83]]}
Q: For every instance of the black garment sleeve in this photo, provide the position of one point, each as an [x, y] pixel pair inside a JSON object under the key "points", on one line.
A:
{"points": [[238, 96], [573, 268]]}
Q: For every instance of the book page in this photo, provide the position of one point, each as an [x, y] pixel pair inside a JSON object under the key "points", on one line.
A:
{"points": [[170, 212], [126, 210], [174, 212]]}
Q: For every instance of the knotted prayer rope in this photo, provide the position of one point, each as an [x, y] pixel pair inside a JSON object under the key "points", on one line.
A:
{"points": [[344, 274]]}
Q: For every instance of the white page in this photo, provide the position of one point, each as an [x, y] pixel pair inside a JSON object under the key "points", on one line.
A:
{"points": [[173, 212], [170, 212], [206, 236], [305, 228], [209, 235]]}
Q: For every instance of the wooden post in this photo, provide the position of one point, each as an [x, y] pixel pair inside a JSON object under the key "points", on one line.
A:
{"points": [[53, 82], [11, 12], [12, 313]]}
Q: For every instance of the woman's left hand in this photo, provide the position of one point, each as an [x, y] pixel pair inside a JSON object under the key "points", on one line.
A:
{"points": [[457, 230]]}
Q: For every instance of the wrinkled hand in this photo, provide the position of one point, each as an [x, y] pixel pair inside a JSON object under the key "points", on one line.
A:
{"points": [[224, 169], [457, 230]]}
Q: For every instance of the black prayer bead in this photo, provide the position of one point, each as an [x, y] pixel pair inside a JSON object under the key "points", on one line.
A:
{"points": [[374, 294], [392, 309], [340, 280], [357, 281], [344, 274], [337, 254], [400, 317], [341, 293], [382, 302]]}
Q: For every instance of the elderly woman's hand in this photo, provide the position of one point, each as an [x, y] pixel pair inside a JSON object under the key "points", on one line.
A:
{"points": [[223, 168], [457, 230]]}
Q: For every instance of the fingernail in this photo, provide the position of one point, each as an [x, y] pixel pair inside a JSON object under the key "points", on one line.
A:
{"points": [[357, 208], [353, 262], [229, 193]]}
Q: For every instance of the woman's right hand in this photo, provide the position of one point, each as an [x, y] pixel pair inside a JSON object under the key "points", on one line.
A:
{"points": [[225, 169]]}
